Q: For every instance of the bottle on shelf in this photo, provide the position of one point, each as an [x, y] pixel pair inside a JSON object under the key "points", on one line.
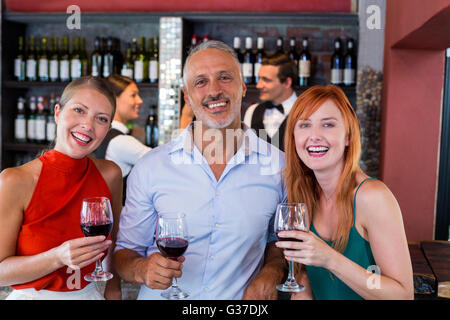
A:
{"points": [[260, 54], [43, 61], [206, 37], [237, 49], [108, 59], [337, 63], [97, 58], [304, 65], [41, 121], [249, 60], [194, 42], [50, 130], [31, 64], [151, 128], [31, 120], [128, 65], [293, 51], [84, 58], [118, 57], [141, 63], [20, 61], [20, 122], [64, 62], [75, 59], [279, 45], [54, 60], [350, 64], [153, 64]]}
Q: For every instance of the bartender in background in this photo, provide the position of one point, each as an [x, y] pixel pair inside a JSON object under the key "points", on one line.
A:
{"points": [[276, 80]]}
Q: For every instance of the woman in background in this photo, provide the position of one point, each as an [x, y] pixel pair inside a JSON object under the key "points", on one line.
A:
{"points": [[43, 252], [356, 222]]}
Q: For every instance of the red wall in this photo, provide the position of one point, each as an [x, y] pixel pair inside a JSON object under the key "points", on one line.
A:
{"points": [[412, 101], [181, 5]]}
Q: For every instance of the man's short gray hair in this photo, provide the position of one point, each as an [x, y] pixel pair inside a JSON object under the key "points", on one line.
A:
{"points": [[210, 44]]}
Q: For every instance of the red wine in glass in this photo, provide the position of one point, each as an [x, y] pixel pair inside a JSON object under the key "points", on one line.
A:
{"points": [[287, 239], [172, 247], [92, 230]]}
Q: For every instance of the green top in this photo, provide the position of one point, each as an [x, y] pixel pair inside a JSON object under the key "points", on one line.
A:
{"points": [[324, 284]]}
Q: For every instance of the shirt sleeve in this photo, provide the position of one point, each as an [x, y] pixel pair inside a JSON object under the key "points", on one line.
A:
{"points": [[138, 218], [126, 149]]}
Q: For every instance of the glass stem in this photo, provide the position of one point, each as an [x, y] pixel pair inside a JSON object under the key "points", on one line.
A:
{"points": [[175, 283], [98, 267], [291, 277]]}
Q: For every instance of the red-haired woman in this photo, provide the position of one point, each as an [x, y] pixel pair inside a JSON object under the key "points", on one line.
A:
{"points": [[356, 223]]}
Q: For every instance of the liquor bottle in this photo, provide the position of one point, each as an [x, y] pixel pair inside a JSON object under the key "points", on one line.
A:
{"points": [[108, 59], [75, 59], [151, 128], [141, 63], [128, 65], [292, 51], [350, 64], [153, 64], [31, 64], [31, 120], [304, 65], [206, 37], [260, 54], [41, 121], [64, 63], [43, 61], [20, 122], [118, 57], [96, 59], [279, 48], [194, 42], [336, 63], [19, 62], [237, 49], [134, 49], [50, 129], [84, 58], [249, 60], [54, 60]]}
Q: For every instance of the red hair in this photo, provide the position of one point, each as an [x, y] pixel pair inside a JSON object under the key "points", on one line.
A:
{"points": [[301, 183]]}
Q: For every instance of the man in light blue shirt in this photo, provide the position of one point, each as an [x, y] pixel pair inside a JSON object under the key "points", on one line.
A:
{"points": [[224, 178]]}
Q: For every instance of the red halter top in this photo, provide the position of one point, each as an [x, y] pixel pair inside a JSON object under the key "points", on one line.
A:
{"points": [[53, 215]]}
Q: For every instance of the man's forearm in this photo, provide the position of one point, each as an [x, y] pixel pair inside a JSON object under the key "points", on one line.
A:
{"points": [[126, 262], [274, 262]]}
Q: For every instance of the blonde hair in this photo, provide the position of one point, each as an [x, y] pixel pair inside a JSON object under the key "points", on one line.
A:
{"points": [[301, 183]]}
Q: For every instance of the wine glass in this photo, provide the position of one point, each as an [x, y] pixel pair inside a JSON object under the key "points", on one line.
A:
{"points": [[291, 216], [97, 220], [172, 242]]}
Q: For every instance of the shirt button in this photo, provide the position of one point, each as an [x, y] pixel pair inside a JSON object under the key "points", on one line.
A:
{"points": [[217, 225], [206, 289], [217, 193], [212, 257]]}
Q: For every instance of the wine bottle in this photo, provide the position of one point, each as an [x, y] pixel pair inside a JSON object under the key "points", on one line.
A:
{"points": [[279, 48], [249, 60], [151, 128], [84, 58], [336, 63], [20, 62], [31, 120], [118, 56], [304, 65], [43, 61], [128, 65], [153, 65], [194, 42], [350, 64], [41, 121], [141, 63], [96, 59], [64, 63], [50, 129], [292, 51], [54, 60], [237, 49], [20, 122], [260, 54], [108, 59], [206, 37], [75, 59], [31, 65]]}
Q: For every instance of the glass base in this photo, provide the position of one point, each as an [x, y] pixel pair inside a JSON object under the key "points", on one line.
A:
{"points": [[101, 276], [290, 287], [174, 293]]}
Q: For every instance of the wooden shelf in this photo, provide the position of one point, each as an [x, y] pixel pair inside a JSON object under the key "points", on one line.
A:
{"points": [[24, 147], [12, 84]]}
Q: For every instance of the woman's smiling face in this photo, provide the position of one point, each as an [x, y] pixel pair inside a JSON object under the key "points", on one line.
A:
{"points": [[82, 123], [321, 139]]}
